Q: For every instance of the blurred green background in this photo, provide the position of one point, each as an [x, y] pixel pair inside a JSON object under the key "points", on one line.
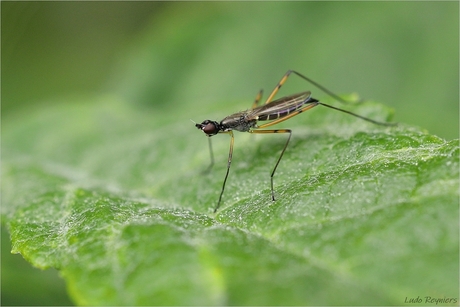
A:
{"points": [[175, 56]]}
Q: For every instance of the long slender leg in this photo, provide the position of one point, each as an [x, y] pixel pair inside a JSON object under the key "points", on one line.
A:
{"points": [[258, 97], [230, 154], [211, 154], [330, 93], [281, 155], [359, 116], [278, 86], [286, 76]]}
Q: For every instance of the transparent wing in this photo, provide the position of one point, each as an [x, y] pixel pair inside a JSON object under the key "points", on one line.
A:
{"points": [[280, 107]]}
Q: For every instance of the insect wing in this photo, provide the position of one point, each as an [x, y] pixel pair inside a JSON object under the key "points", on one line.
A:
{"points": [[280, 107]]}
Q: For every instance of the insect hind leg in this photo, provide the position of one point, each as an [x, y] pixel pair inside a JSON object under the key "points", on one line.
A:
{"points": [[278, 86], [324, 89], [211, 156], [257, 100], [229, 163]]}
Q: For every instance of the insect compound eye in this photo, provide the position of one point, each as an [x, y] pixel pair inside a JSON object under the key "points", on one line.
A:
{"points": [[208, 127]]}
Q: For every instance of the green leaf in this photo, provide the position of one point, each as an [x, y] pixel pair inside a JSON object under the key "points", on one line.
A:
{"points": [[112, 191], [117, 199]]}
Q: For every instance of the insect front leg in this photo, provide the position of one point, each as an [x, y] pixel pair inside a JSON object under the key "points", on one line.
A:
{"points": [[211, 155], [229, 163]]}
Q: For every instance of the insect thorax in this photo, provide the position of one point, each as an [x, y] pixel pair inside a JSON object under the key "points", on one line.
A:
{"points": [[239, 122]]}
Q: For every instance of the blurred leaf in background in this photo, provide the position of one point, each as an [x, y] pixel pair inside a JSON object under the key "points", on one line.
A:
{"points": [[200, 51], [179, 61]]}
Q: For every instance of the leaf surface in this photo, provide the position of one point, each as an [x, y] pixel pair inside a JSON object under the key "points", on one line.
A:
{"points": [[119, 201]]}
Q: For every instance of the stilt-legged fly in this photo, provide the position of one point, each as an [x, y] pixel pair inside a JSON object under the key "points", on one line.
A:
{"points": [[274, 112]]}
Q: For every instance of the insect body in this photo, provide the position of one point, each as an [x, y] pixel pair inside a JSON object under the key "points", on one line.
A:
{"points": [[273, 112]]}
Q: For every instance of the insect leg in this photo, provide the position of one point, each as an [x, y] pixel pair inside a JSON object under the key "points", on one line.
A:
{"points": [[258, 97], [230, 154], [324, 89], [359, 116], [281, 155], [330, 93], [211, 155], [278, 86]]}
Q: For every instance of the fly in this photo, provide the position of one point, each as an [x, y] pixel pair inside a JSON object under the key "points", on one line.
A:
{"points": [[273, 112]]}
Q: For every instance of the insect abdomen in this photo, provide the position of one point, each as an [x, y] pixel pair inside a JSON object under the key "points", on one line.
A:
{"points": [[274, 115]]}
